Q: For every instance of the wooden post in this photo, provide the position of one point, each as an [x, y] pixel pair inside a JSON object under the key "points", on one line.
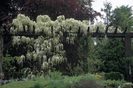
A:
{"points": [[128, 51], [128, 54], [1, 54]]}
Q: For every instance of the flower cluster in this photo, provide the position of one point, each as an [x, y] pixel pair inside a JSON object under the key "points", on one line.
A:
{"points": [[48, 49]]}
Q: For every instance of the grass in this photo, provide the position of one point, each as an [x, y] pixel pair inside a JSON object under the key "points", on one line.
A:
{"points": [[20, 84], [54, 80]]}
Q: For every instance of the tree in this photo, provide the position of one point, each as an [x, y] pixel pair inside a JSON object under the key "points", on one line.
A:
{"points": [[107, 9], [9, 10], [79, 9], [4, 16], [93, 62], [3, 9], [88, 10], [53, 8], [122, 17], [113, 59]]}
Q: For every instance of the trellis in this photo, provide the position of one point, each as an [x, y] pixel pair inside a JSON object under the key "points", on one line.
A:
{"points": [[126, 35]]}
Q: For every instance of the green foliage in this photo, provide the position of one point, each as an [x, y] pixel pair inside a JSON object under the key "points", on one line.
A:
{"points": [[114, 76], [10, 67], [127, 85], [112, 59], [58, 84], [53, 80], [60, 81], [122, 17], [87, 84], [93, 62], [71, 8], [38, 86], [112, 83], [108, 11], [16, 68], [77, 70], [7, 62], [55, 75]]}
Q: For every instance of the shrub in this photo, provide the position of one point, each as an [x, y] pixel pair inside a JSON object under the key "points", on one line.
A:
{"points": [[9, 68], [112, 83], [127, 85], [114, 76], [77, 70], [55, 75], [56, 80], [99, 76], [38, 86], [87, 84], [58, 84]]}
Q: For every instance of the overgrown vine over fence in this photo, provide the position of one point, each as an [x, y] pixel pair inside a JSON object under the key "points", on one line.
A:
{"points": [[53, 36]]}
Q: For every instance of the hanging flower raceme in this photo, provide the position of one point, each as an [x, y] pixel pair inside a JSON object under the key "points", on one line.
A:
{"points": [[47, 47]]}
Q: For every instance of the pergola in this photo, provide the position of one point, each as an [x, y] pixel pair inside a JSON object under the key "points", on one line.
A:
{"points": [[127, 36]]}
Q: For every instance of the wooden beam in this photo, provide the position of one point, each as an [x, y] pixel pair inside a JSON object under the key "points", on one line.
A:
{"points": [[97, 33], [93, 34], [112, 35]]}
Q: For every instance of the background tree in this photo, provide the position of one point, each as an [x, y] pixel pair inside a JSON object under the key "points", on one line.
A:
{"points": [[113, 57], [4, 9], [122, 17], [89, 11], [107, 10], [53, 8], [4, 16]]}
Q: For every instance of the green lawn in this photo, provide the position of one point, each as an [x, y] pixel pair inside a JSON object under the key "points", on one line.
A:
{"points": [[58, 81], [54, 81]]}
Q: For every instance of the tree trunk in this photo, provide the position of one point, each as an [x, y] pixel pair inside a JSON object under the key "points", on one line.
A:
{"points": [[1, 55]]}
